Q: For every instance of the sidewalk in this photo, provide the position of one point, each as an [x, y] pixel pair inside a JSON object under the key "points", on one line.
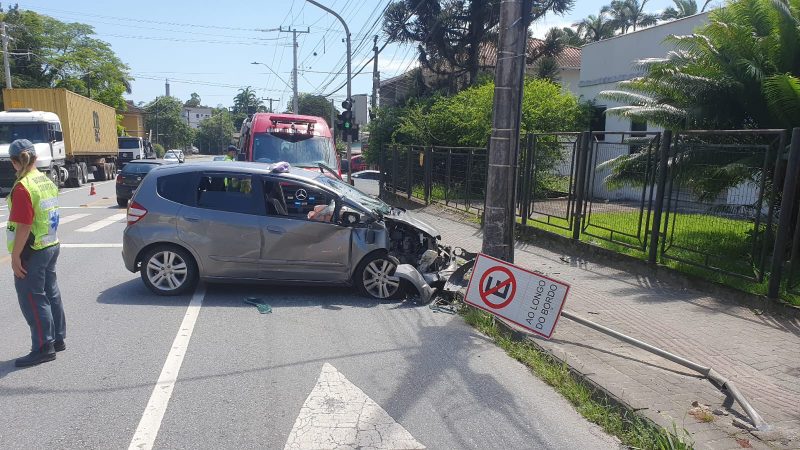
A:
{"points": [[759, 353]]}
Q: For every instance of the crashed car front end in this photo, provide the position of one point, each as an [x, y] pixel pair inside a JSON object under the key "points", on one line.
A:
{"points": [[421, 260]]}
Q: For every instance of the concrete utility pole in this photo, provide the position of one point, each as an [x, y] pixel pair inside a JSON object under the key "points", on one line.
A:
{"points": [[295, 99], [270, 100], [333, 115], [6, 65], [349, 77], [166, 87], [499, 214], [376, 76]]}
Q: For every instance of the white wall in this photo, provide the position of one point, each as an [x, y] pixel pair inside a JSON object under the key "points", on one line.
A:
{"points": [[194, 116], [569, 79]]}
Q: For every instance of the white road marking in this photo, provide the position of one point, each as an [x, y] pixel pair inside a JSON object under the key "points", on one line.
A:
{"points": [[102, 223], [87, 186], [2, 224], [91, 245], [337, 414], [146, 432], [71, 218]]}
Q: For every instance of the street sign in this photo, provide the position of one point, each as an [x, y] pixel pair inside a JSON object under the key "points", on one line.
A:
{"points": [[524, 298]]}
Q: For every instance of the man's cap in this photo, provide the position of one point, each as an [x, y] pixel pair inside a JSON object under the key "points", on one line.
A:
{"points": [[19, 146], [232, 148]]}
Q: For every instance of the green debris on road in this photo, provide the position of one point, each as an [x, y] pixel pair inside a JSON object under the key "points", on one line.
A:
{"points": [[258, 302]]}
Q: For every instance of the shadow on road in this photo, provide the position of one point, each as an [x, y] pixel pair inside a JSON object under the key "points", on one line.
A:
{"points": [[7, 367]]}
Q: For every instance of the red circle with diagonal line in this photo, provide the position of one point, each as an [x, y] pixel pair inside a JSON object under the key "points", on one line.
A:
{"points": [[484, 293]]}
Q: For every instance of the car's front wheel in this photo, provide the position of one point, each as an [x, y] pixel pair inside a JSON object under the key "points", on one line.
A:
{"points": [[375, 277], [169, 270]]}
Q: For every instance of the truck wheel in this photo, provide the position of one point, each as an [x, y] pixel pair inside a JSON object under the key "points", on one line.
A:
{"points": [[79, 178], [100, 173], [54, 176], [84, 173], [169, 270]]}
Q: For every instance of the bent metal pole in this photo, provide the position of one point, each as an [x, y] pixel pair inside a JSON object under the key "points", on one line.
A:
{"points": [[708, 372]]}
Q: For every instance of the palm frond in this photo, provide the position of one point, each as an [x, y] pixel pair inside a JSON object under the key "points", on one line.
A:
{"points": [[783, 97]]}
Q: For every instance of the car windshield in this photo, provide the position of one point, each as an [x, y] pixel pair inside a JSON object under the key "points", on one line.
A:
{"points": [[137, 168], [128, 143], [354, 195], [297, 150], [34, 132]]}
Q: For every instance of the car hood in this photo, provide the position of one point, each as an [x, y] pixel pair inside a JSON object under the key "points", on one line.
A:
{"points": [[404, 217]]}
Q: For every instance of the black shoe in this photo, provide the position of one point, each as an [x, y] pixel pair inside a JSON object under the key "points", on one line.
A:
{"points": [[44, 354], [59, 345]]}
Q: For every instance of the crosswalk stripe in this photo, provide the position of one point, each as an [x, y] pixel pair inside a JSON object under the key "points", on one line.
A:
{"points": [[71, 218], [2, 224], [102, 223]]}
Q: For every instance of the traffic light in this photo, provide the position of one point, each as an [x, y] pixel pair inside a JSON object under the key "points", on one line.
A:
{"points": [[347, 118]]}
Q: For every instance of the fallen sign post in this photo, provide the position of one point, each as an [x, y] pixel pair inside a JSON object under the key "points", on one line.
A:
{"points": [[535, 302], [526, 299]]}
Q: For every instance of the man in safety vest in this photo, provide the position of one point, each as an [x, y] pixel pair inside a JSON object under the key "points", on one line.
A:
{"points": [[33, 244], [232, 151]]}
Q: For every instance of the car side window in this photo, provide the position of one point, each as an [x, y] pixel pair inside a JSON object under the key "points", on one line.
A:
{"points": [[175, 187], [228, 192], [297, 201]]}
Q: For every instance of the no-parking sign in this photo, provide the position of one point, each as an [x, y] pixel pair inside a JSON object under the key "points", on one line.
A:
{"points": [[527, 299]]}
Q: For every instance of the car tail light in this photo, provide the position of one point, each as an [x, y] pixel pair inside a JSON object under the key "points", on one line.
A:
{"points": [[135, 212], [119, 179]]}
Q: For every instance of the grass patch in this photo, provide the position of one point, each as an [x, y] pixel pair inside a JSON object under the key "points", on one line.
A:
{"points": [[730, 242], [631, 429]]}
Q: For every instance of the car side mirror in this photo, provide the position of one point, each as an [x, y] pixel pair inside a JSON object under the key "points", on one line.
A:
{"points": [[351, 218]]}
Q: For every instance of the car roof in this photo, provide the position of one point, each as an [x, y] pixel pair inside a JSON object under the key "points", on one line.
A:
{"points": [[254, 168], [150, 161]]}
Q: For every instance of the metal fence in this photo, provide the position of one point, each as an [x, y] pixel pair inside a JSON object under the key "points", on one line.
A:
{"points": [[724, 202]]}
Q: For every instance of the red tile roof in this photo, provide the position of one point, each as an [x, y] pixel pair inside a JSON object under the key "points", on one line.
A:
{"points": [[569, 58]]}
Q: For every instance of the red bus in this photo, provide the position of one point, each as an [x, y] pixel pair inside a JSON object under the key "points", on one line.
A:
{"points": [[302, 141]]}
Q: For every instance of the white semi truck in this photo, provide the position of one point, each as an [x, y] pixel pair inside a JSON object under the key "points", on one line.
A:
{"points": [[74, 137]]}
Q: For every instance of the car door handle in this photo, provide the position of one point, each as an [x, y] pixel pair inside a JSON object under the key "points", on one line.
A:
{"points": [[191, 219], [276, 230]]}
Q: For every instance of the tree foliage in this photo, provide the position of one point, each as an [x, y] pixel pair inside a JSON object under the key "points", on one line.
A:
{"points": [[165, 117], [215, 133], [450, 33], [45, 52], [246, 103], [194, 101], [595, 28], [629, 14], [465, 119], [314, 105]]}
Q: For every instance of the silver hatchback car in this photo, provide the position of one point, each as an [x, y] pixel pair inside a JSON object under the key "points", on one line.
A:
{"points": [[273, 223]]}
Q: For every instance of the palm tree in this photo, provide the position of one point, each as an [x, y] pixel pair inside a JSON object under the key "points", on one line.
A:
{"points": [[246, 101], [683, 8], [595, 28], [627, 14]]}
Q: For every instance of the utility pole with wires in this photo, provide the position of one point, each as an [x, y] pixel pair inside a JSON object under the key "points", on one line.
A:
{"points": [[499, 213], [295, 99], [376, 76], [270, 100], [6, 65]]}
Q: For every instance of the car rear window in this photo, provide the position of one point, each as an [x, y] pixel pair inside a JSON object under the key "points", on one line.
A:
{"points": [[138, 168], [177, 187]]}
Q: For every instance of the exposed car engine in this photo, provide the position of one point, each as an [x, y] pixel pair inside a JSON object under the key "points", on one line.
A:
{"points": [[412, 246]]}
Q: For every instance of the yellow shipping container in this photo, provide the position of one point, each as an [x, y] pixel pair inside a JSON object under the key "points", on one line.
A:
{"points": [[90, 127]]}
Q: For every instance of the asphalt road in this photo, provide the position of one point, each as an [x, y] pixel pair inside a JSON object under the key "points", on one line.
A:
{"points": [[252, 380]]}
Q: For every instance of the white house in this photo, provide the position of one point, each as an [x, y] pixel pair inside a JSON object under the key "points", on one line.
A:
{"points": [[604, 64], [194, 115], [607, 62]]}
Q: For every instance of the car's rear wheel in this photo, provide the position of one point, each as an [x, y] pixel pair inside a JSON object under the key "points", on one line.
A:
{"points": [[169, 270], [375, 277]]}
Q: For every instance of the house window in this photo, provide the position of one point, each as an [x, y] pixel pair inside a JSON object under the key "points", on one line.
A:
{"points": [[197, 116], [598, 122], [638, 127]]}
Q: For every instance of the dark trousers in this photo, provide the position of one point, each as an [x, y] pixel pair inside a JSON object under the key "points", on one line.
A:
{"points": [[40, 299]]}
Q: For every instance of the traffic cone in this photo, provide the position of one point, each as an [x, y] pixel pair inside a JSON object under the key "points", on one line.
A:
{"points": [[92, 191]]}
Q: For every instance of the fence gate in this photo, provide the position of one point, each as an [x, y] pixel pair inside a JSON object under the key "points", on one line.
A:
{"points": [[620, 187], [720, 200], [547, 179]]}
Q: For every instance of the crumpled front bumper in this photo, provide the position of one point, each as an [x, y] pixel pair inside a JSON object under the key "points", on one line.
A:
{"points": [[452, 279]]}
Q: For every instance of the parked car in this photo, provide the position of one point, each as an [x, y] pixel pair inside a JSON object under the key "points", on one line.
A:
{"points": [[357, 163], [273, 223], [175, 155], [129, 178]]}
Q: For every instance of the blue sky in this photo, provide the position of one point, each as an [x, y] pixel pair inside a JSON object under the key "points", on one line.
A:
{"points": [[209, 49]]}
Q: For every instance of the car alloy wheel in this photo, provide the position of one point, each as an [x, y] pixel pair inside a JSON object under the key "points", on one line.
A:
{"points": [[169, 270], [378, 279]]}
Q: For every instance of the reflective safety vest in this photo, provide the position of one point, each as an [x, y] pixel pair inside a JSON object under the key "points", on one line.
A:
{"points": [[228, 158], [44, 198]]}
